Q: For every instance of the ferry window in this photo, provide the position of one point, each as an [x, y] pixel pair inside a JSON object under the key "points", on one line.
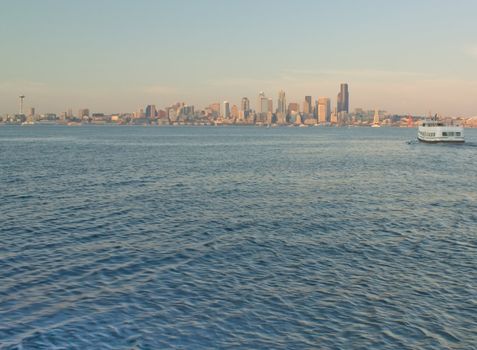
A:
{"points": [[457, 134], [444, 133]]}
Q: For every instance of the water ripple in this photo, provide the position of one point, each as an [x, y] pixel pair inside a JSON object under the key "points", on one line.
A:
{"points": [[146, 238]]}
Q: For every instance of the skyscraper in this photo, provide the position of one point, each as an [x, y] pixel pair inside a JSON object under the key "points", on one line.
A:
{"points": [[263, 105], [226, 109], [261, 96], [270, 106], [245, 105], [150, 111], [282, 102], [281, 108], [343, 99], [186, 110], [307, 105], [324, 109], [235, 112]]}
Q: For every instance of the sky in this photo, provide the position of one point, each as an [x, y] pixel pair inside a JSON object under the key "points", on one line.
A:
{"points": [[116, 56]]}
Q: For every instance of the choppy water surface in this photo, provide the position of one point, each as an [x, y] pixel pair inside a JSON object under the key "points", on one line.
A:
{"points": [[152, 238]]}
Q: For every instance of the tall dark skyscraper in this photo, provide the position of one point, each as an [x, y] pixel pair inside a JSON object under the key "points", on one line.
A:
{"points": [[307, 103], [150, 111], [343, 99], [245, 105]]}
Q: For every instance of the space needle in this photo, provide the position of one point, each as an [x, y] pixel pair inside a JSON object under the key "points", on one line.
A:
{"points": [[21, 103]]}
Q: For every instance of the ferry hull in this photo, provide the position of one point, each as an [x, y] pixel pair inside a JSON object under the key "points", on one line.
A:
{"points": [[440, 141]]}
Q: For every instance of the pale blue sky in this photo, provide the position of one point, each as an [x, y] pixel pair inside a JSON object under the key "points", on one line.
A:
{"points": [[112, 56]]}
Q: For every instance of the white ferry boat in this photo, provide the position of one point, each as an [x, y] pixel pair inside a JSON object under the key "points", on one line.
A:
{"points": [[433, 130]]}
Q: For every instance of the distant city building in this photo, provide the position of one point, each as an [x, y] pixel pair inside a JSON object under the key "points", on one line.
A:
{"points": [[226, 109], [281, 108], [342, 118], [215, 107], [185, 110], [307, 105], [97, 116], [162, 114], [343, 99], [151, 111], [324, 109], [31, 115], [171, 114], [245, 105], [84, 112], [269, 118], [334, 117], [263, 105], [235, 112], [241, 117], [293, 107], [139, 113], [282, 103], [49, 116], [261, 97]]}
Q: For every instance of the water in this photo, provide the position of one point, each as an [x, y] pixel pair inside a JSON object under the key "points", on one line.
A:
{"points": [[254, 238]]}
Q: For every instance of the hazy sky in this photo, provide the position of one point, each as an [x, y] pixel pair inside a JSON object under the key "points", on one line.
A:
{"points": [[407, 56]]}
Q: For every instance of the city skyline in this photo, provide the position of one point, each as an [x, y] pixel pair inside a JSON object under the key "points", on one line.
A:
{"points": [[117, 56], [264, 105], [319, 113]]}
